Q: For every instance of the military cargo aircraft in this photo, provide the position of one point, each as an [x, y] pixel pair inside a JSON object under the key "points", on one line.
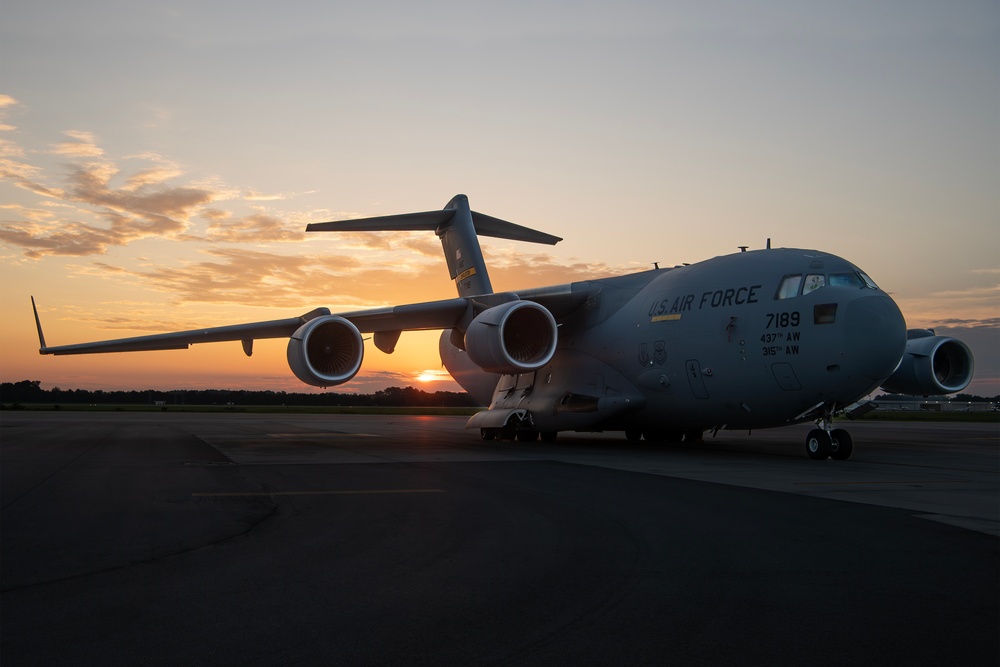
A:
{"points": [[750, 340]]}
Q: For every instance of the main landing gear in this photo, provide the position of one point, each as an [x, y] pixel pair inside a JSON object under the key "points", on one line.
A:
{"points": [[827, 442]]}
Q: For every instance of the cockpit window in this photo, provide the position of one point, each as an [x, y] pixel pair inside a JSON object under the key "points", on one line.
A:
{"points": [[792, 285], [813, 282], [789, 287], [868, 281], [851, 279]]}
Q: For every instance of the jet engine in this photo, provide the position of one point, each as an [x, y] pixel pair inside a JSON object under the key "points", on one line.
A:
{"points": [[514, 337], [931, 365], [326, 351]]}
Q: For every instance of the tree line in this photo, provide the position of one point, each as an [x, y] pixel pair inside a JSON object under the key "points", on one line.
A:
{"points": [[30, 391]]}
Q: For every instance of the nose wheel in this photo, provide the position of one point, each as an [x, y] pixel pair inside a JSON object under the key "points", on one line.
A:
{"points": [[827, 442], [841, 444], [818, 444]]}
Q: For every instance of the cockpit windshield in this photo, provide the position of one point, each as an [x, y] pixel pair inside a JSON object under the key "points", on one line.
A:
{"points": [[846, 280], [796, 284]]}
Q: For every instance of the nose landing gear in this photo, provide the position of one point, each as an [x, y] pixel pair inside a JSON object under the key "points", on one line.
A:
{"points": [[828, 442]]}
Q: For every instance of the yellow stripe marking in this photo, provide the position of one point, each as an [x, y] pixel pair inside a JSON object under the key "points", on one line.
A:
{"points": [[666, 318], [465, 274]]}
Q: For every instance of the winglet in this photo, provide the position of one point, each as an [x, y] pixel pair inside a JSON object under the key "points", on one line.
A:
{"points": [[38, 325]]}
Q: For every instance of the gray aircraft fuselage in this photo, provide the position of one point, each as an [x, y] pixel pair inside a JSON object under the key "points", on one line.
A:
{"points": [[711, 345]]}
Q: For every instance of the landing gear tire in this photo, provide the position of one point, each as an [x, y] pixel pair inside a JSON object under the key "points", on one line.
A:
{"points": [[527, 435], [841, 444], [633, 435], [549, 436], [489, 433], [818, 444]]}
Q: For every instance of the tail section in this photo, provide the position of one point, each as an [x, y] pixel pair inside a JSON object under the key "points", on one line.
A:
{"points": [[459, 228], [462, 251]]}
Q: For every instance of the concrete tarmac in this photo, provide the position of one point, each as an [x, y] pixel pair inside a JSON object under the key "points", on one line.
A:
{"points": [[161, 538]]}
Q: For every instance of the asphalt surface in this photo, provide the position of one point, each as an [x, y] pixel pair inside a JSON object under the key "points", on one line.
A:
{"points": [[270, 539]]}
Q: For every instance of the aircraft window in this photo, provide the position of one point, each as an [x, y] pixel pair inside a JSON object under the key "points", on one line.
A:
{"points": [[868, 281], [813, 282], [846, 280], [789, 287]]}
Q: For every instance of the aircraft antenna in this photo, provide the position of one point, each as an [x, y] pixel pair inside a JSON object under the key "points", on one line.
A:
{"points": [[743, 248]]}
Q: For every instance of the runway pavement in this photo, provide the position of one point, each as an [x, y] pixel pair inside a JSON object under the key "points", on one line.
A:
{"points": [[161, 538]]}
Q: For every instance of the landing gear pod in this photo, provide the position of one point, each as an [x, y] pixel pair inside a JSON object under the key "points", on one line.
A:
{"points": [[514, 337], [326, 351]]}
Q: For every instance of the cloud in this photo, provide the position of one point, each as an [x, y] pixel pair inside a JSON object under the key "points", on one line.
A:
{"points": [[988, 323], [977, 303], [128, 215], [237, 276], [523, 270], [242, 277], [104, 207], [253, 195], [152, 176], [91, 184], [83, 145], [74, 240], [99, 214], [259, 228]]}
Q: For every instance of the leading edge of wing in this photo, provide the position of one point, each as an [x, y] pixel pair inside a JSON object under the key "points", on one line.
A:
{"points": [[429, 315], [179, 340]]}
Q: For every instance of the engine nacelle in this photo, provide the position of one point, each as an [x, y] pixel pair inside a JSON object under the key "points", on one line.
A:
{"points": [[514, 337], [326, 351], [931, 365]]}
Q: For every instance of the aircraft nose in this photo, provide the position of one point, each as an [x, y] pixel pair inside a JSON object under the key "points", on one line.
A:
{"points": [[876, 335]]}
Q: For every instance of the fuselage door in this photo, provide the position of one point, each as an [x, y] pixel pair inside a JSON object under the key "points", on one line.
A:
{"points": [[695, 379]]}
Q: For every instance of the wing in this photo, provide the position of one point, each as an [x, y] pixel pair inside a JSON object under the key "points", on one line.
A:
{"points": [[429, 315]]}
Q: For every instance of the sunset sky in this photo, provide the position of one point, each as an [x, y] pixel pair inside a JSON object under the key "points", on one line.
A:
{"points": [[160, 161]]}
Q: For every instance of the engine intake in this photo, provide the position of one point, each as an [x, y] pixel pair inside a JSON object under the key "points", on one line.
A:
{"points": [[514, 337], [326, 351], [931, 365]]}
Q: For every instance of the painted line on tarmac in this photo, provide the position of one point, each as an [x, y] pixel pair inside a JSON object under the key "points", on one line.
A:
{"points": [[360, 492], [913, 481]]}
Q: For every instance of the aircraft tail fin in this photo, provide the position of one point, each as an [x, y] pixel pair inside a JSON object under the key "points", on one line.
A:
{"points": [[458, 227]]}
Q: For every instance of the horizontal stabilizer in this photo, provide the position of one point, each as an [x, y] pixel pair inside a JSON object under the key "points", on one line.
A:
{"points": [[406, 222], [485, 225], [489, 226]]}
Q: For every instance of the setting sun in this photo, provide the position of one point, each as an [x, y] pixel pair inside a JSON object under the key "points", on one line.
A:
{"points": [[432, 376]]}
